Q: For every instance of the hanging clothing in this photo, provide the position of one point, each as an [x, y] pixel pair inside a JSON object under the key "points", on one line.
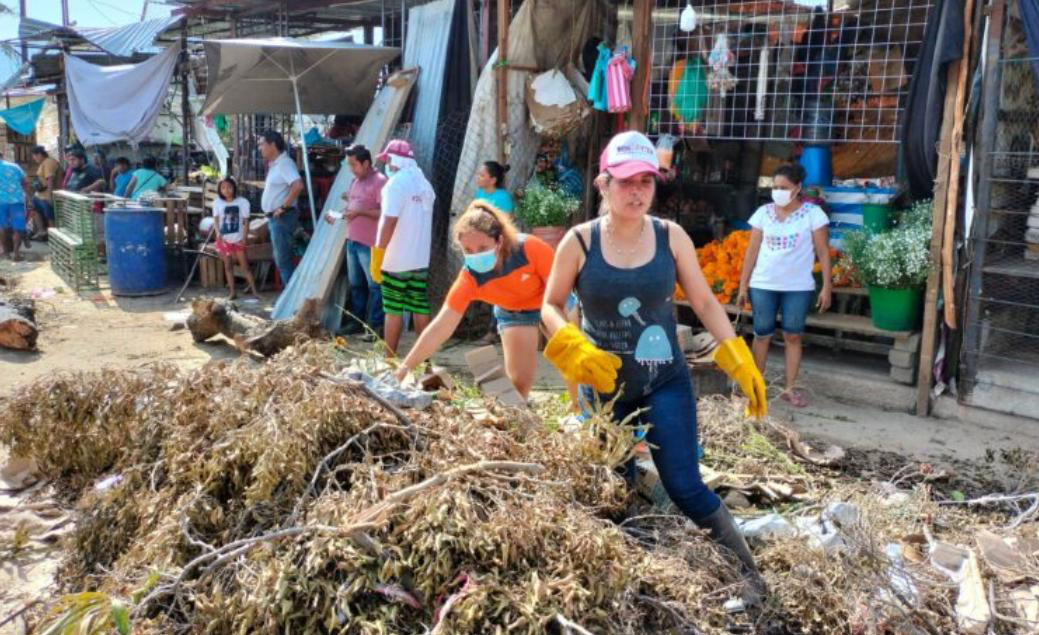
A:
{"points": [[117, 103], [597, 88], [943, 43], [618, 76], [687, 87], [22, 118]]}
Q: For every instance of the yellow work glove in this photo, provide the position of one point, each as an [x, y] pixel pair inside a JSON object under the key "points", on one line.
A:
{"points": [[378, 253], [580, 361], [733, 357]]}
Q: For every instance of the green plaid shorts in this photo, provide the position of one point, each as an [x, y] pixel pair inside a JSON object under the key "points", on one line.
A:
{"points": [[405, 291]]}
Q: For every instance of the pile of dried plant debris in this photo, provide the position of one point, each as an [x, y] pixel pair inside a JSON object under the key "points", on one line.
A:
{"points": [[252, 497]]}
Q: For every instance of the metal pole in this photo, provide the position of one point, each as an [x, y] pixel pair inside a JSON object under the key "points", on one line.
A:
{"points": [[306, 159], [25, 45], [403, 27], [185, 107], [144, 10], [64, 12]]}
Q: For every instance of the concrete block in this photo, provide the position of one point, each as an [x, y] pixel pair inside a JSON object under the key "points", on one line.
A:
{"points": [[903, 375], [437, 378], [496, 387], [481, 360], [511, 398], [497, 372], [685, 337], [903, 359], [911, 343]]}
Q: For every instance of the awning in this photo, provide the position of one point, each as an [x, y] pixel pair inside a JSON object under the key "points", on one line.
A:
{"points": [[121, 41], [249, 76]]}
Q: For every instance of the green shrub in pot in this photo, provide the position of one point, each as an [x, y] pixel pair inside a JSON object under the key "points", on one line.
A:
{"points": [[546, 207], [894, 265]]}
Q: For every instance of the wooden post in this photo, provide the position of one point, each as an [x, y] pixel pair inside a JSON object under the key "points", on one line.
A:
{"points": [[504, 16], [25, 44], [642, 45], [941, 192], [946, 193], [951, 204], [185, 107]]}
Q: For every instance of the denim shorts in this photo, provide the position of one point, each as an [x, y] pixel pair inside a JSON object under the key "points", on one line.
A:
{"points": [[509, 319], [767, 304]]}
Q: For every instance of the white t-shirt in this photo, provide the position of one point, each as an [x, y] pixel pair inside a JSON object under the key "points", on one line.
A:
{"points": [[787, 253], [409, 199], [231, 218], [280, 177]]}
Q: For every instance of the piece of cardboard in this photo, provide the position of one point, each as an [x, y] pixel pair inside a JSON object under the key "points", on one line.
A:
{"points": [[481, 360], [497, 372], [497, 386]]}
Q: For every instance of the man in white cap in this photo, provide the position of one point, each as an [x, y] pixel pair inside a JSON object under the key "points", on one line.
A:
{"points": [[400, 257]]}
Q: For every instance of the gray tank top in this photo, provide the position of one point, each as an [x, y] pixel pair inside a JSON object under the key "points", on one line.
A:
{"points": [[630, 312]]}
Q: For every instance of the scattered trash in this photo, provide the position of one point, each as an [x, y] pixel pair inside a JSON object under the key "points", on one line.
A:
{"points": [[973, 613], [378, 376], [108, 482], [43, 293]]}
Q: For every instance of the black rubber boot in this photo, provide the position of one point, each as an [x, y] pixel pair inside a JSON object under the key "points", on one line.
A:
{"points": [[722, 528]]}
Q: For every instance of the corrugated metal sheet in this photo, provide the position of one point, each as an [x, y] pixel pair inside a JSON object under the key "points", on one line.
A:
{"points": [[121, 41], [426, 48]]}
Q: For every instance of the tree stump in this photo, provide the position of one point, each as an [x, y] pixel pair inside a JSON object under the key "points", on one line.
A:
{"points": [[18, 329], [212, 317]]}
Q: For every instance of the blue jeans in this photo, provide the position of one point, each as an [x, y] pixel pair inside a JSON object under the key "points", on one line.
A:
{"points": [[44, 207], [794, 306], [365, 295], [673, 441], [282, 231]]}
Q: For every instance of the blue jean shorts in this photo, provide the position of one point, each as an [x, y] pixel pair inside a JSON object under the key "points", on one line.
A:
{"points": [[508, 319], [12, 216], [767, 304]]}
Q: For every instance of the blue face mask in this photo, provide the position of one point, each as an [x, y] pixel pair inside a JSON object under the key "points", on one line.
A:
{"points": [[482, 262]]}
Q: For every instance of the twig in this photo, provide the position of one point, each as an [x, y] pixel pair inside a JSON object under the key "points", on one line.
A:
{"points": [[994, 499], [323, 465], [397, 412], [570, 626], [13, 616], [1029, 624]]}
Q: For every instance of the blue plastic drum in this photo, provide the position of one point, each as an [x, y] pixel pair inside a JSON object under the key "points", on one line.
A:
{"points": [[135, 243], [818, 165]]}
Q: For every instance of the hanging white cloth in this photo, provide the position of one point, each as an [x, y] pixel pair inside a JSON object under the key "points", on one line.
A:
{"points": [[762, 87], [115, 103]]}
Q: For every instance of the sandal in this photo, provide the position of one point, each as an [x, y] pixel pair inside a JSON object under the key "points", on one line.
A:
{"points": [[795, 398]]}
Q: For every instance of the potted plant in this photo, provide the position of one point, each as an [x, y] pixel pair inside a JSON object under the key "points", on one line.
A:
{"points": [[894, 266], [547, 211]]}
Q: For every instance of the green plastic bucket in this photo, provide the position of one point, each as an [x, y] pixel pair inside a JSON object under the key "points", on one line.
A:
{"points": [[877, 218], [895, 309]]}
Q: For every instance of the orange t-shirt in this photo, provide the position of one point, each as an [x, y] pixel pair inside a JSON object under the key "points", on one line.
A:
{"points": [[519, 286]]}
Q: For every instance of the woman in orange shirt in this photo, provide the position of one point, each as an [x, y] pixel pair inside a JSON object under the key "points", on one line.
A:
{"points": [[505, 269]]}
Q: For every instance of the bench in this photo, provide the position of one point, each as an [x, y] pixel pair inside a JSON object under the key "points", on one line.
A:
{"points": [[841, 329]]}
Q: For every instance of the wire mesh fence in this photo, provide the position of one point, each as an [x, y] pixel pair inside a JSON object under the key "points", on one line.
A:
{"points": [[784, 71], [1002, 328]]}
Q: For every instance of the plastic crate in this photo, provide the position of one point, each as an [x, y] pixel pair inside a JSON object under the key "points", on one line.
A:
{"points": [[73, 259]]}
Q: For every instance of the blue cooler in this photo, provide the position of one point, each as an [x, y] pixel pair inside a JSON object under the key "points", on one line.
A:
{"points": [[846, 208]]}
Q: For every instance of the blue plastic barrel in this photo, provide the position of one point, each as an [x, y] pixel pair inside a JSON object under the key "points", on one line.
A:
{"points": [[136, 249], [818, 165]]}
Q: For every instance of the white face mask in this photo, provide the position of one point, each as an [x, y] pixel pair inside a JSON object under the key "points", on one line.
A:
{"points": [[782, 198]]}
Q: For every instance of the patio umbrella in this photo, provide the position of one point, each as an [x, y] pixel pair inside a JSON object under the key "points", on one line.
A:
{"points": [[249, 76]]}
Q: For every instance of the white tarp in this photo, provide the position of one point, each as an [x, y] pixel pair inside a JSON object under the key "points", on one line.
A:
{"points": [[116, 103]]}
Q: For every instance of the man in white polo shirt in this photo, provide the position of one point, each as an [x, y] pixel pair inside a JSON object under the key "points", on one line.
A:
{"points": [[280, 191]]}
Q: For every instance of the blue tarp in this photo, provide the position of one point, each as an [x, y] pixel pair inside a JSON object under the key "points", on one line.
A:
{"points": [[22, 118]]}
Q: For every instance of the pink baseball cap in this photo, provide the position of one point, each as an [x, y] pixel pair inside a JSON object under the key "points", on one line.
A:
{"points": [[627, 154], [397, 147]]}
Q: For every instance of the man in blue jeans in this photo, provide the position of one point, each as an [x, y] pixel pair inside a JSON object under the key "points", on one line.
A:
{"points": [[362, 211], [280, 191]]}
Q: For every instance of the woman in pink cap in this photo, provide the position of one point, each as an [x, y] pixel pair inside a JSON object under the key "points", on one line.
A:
{"points": [[624, 266]]}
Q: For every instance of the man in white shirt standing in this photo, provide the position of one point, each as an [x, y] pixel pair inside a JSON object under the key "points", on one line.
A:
{"points": [[400, 257], [280, 191]]}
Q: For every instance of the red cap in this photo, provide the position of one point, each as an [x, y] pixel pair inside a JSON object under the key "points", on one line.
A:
{"points": [[397, 147]]}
